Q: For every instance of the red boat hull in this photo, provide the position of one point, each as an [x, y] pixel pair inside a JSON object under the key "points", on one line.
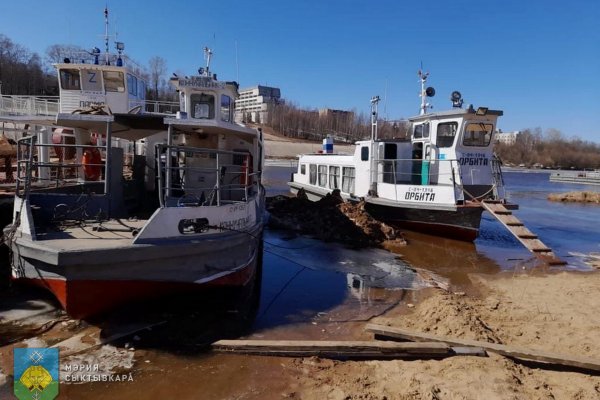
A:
{"points": [[86, 298]]}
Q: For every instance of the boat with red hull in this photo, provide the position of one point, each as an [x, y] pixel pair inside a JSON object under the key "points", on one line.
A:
{"points": [[135, 205]]}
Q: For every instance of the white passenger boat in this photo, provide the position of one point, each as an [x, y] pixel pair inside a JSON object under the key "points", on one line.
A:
{"points": [[433, 181], [100, 228], [587, 177]]}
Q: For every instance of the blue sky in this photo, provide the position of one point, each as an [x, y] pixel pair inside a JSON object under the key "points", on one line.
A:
{"points": [[539, 61]]}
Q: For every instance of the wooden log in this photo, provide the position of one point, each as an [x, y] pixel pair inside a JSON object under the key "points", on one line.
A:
{"points": [[519, 353], [335, 349]]}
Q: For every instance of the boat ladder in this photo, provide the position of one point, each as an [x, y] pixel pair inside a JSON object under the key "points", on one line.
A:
{"points": [[529, 239]]}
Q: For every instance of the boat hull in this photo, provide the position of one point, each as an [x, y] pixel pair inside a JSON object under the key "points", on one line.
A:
{"points": [[95, 287], [461, 224]]}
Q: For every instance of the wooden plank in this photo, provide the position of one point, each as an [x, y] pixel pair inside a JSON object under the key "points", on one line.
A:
{"points": [[536, 245], [509, 351], [523, 232], [334, 349], [509, 220], [496, 209]]}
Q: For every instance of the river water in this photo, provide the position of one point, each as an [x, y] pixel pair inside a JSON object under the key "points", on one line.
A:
{"points": [[316, 290]]}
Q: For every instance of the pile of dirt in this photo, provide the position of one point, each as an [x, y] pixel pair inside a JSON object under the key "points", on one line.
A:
{"points": [[578, 197], [330, 219]]}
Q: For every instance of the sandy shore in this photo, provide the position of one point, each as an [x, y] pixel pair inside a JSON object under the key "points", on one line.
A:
{"points": [[282, 147], [557, 313]]}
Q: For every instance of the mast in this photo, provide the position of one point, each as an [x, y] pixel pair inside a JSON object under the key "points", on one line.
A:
{"points": [[374, 101], [424, 105], [207, 54], [106, 59]]}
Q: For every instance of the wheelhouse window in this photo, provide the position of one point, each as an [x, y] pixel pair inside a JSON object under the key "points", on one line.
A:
{"points": [[334, 177], [478, 134], [364, 153], [445, 134], [91, 80], [203, 106], [69, 79], [348, 174], [225, 108], [312, 174], [421, 131], [322, 175], [132, 85], [113, 81], [303, 169]]}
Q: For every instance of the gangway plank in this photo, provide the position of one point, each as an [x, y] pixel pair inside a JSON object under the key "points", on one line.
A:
{"points": [[527, 238]]}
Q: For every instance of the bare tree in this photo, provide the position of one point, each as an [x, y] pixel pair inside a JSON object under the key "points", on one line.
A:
{"points": [[158, 69]]}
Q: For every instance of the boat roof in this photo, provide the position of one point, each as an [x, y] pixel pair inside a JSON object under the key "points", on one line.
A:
{"points": [[456, 112]]}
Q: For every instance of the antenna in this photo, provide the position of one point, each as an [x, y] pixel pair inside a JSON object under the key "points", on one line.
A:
{"points": [[237, 64], [106, 34], [385, 100]]}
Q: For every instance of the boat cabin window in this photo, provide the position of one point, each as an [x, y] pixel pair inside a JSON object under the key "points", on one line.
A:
{"points": [[421, 131], [132, 85], [225, 108], [364, 154], [478, 134], [113, 81], [203, 106], [303, 169], [69, 79], [142, 89], [312, 174], [91, 80], [446, 132], [322, 175], [334, 177], [390, 151], [348, 174]]}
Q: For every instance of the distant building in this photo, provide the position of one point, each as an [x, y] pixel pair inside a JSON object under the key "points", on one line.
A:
{"points": [[325, 112], [508, 138], [252, 105]]}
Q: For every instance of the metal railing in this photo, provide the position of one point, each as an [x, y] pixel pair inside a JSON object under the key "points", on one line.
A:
{"points": [[46, 165], [189, 176], [154, 107], [29, 105], [417, 172]]}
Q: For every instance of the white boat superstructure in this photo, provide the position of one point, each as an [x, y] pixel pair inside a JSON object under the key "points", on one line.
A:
{"points": [[433, 180], [100, 227]]}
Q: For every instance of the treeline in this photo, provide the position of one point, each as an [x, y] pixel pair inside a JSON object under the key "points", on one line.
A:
{"points": [[551, 149], [22, 72], [292, 121]]}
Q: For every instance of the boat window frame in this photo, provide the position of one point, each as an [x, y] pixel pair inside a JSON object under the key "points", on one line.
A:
{"points": [[209, 102], [322, 175], [303, 169], [84, 76], [477, 142], [226, 109], [334, 177], [312, 174], [114, 81], [73, 84], [424, 133], [444, 143], [348, 180], [132, 88], [364, 153]]}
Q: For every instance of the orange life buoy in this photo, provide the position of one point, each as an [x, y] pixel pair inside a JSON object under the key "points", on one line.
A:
{"points": [[246, 171], [92, 160]]}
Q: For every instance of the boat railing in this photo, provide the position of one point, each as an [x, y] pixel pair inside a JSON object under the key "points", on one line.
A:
{"points": [[41, 166], [190, 176], [29, 105], [417, 172], [154, 107]]}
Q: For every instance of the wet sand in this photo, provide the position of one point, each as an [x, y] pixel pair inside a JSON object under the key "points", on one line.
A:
{"points": [[508, 298]]}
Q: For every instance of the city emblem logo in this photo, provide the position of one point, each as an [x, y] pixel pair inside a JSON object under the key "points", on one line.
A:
{"points": [[36, 373]]}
